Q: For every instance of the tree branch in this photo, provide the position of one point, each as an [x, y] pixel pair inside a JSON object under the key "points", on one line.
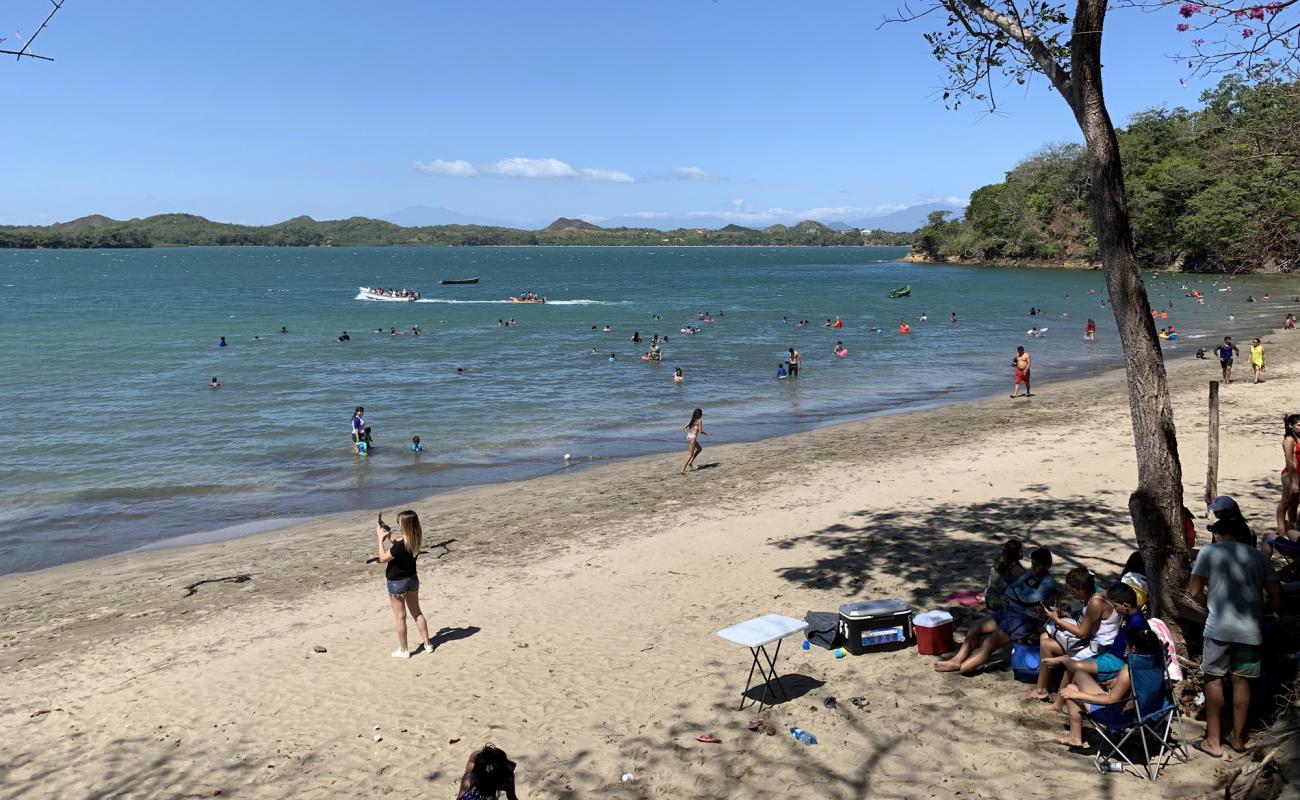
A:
{"points": [[1034, 46]]}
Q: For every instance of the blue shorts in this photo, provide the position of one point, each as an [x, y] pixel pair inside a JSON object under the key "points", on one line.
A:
{"points": [[401, 586], [1108, 666], [1017, 625]]}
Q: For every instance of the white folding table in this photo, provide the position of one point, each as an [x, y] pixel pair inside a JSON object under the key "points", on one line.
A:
{"points": [[757, 634]]}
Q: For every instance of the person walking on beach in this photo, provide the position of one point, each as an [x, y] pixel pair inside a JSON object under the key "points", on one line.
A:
{"points": [[1286, 508], [399, 554], [794, 363], [488, 774], [1257, 359], [694, 430], [1237, 583], [1226, 351], [1021, 363]]}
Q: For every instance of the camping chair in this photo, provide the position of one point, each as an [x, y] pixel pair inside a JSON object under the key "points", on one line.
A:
{"points": [[1151, 720]]}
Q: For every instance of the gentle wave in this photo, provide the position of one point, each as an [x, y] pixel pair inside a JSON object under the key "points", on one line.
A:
{"points": [[507, 302]]}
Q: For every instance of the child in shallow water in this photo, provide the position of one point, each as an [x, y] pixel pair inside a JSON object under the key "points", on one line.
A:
{"points": [[416, 445]]}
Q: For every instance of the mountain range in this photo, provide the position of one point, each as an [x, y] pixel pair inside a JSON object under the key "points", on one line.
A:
{"points": [[905, 219]]}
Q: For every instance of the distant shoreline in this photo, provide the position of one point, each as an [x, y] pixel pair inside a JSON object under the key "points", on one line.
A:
{"points": [[914, 257]]}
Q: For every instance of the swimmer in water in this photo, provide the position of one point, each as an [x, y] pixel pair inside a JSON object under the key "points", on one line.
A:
{"points": [[613, 357], [924, 317], [344, 337], [283, 329], [839, 348], [222, 343], [953, 318], [214, 383], [416, 445], [593, 352], [678, 377], [257, 338], [781, 371], [636, 337], [606, 329]]}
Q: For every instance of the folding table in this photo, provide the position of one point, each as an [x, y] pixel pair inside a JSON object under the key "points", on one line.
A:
{"points": [[757, 634]]}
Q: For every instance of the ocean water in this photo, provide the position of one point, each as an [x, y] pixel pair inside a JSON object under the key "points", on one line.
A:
{"points": [[115, 440]]}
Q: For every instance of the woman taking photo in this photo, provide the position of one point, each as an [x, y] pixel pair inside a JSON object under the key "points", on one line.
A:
{"points": [[694, 430], [398, 553]]}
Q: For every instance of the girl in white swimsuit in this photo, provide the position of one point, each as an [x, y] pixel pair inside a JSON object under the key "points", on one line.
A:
{"points": [[694, 430]]}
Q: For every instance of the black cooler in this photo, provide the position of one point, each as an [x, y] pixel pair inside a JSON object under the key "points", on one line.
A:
{"points": [[871, 625]]}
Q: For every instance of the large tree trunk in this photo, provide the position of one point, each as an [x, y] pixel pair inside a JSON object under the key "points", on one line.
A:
{"points": [[1156, 504]]}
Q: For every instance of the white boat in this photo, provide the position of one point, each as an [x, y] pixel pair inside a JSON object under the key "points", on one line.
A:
{"points": [[386, 297]]}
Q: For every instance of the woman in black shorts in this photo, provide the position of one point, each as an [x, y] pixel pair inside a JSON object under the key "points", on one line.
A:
{"points": [[399, 553]]}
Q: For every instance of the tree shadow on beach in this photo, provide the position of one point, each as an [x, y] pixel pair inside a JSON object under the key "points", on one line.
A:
{"points": [[950, 546]]}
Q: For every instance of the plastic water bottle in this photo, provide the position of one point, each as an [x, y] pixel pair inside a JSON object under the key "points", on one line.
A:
{"points": [[802, 736], [1114, 766]]}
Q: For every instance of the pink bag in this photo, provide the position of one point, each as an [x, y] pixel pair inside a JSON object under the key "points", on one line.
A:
{"points": [[1173, 669]]}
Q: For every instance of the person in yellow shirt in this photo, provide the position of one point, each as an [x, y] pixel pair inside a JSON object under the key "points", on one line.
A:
{"points": [[1257, 359]]}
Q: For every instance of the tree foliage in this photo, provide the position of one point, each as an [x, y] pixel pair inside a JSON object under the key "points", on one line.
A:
{"points": [[1216, 189]]}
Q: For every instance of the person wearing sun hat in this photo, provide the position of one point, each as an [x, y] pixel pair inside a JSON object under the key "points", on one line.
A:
{"points": [[1229, 524]]}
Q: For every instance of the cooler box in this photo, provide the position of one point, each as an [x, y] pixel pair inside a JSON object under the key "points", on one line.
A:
{"points": [[875, 625], [933, 633]]}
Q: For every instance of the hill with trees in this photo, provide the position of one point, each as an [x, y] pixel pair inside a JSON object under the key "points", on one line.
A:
{"points": [[1215, 189], [178, 230]]}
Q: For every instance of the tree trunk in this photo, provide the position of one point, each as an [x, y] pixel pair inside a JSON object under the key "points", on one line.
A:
{"points": [[1156, 504]]}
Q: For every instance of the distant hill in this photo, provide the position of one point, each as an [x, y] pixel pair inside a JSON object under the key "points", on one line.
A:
{"points": [[425, 216], [907, 219], [182, 230], [566, 224]]}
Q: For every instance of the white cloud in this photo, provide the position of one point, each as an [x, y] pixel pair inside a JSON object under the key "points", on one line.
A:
{"points": [[553, 169], [695, 174], [457, 168]]}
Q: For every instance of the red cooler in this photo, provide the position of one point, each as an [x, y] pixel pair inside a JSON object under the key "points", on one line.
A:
{"points": [[933, 633]]}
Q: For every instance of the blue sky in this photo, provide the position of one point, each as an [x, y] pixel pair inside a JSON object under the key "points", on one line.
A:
{"points": [[255, 112]]}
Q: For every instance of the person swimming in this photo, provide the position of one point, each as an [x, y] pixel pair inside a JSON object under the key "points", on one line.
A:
{"points": [[283, 329], [781, 370], [678, 377], [214, 383], [613, 357], [344, 337], [636, 337], [222, 343], [416, 445], [839, 348]]}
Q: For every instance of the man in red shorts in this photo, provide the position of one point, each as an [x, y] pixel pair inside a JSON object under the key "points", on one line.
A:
{"points": [[1021, 363]]}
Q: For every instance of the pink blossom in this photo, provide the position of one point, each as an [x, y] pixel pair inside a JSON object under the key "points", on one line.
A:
{"points": [[1238, 14], [1183, 27], [1188, 9], [1198, 42], [1256, 13], [1246, 33], [1273, 7]]}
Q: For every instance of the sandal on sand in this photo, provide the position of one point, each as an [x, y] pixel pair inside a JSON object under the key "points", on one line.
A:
{"points": [[401, 654], [1199, 745], [755, 725], [707, 738]]}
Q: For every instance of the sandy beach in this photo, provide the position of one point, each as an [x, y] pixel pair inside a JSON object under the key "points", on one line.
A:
{"points": [[577, 618]]}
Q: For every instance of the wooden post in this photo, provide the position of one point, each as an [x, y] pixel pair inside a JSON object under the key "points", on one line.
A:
{"points": [[1212, 472]]}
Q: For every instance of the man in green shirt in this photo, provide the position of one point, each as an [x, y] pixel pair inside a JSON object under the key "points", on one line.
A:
{"points": [[1238, 584]]}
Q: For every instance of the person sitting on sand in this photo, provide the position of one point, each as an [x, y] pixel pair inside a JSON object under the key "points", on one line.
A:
{"points": [[1018, 621], [1111, 704], [488, 774], [214, 383], [398, 554], [1004, 572], [1095, 628], [1105, 663]]}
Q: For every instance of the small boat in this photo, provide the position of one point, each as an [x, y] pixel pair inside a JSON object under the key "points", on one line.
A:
{"points": [[387, 296], [461, 280], [902, 291]]}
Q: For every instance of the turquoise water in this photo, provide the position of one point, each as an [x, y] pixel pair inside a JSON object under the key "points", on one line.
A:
{"points": [[116, 441]]}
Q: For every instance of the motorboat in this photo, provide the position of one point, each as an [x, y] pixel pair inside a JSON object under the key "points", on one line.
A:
{"points": [[902, 291], [457, 281], [388, 295]]}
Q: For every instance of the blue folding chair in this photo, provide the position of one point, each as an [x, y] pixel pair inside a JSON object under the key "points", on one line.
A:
{"points": [[1151, 720]]}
